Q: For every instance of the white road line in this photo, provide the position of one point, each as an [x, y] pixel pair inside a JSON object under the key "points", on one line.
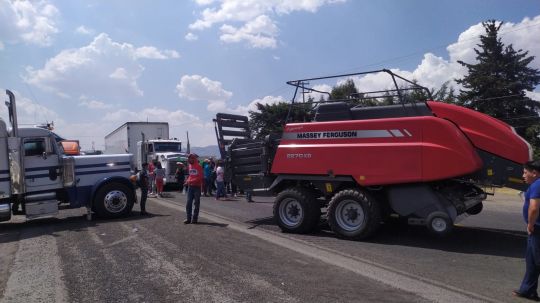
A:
{"points": [[430, 290], [36, 275]]}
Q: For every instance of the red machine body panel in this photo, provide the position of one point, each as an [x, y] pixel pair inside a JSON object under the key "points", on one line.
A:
{"points": [[485, 132], [377, 151]]}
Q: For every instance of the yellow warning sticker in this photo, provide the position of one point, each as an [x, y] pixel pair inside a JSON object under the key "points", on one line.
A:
{"points": [[329, 188], [490, 172]]}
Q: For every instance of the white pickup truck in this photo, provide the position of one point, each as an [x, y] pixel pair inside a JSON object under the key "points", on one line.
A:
{"points": [[38, 176]]}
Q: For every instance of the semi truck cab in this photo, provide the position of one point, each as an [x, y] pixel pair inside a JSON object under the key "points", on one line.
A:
{"points": [[36, 176], [166, 151]]}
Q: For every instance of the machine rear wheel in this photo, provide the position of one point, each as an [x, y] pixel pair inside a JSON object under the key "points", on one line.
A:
{"points": [[354, 214], [296, 211], [439, 223]]}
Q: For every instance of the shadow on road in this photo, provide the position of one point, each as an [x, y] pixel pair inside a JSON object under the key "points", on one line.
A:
{"points": [[261, 222], [212, 224], [10, 232], [467, 240]]}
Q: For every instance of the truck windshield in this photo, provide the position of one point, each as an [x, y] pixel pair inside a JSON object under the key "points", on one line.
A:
{"points": [[167, 147]]}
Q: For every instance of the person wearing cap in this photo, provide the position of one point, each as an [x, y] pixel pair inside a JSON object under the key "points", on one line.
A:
{"points": [[531, 214], [194, 183]]}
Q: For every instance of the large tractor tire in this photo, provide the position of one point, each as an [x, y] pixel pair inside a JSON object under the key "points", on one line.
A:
{"points": [[354, 214], [113, 200], [296, 211]]}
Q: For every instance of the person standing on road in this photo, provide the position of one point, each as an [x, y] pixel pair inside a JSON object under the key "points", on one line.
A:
{"points": [[194, 183], [160, 176], [220, 181], [151, 177], [531, 210], [207, 167], [143, 184]]}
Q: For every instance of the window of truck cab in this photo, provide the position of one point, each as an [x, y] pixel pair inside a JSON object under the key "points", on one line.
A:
{"points": [[38, 146], [34, 147]]}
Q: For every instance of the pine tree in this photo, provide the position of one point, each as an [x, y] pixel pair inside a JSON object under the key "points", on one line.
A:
{"points": [[497, 82]]}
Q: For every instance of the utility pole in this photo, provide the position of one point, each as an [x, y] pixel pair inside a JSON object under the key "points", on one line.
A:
{"points": [[188, 148]]}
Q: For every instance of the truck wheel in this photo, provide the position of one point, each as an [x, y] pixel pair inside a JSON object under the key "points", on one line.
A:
{"points": [[439, 223], [296, 211], [354, 214], [475, 210], [113, 200]]}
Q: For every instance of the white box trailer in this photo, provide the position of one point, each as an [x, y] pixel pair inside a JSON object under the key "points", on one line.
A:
{"points": [[124, 139]]}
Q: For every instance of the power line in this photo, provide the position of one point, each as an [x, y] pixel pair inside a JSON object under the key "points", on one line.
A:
{"points": [[437, 48], [399, 58]]}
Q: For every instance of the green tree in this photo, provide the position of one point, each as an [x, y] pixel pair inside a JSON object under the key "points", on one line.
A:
{"points": [[496, 84], [270, 118], [345, 90], [446, 93]]}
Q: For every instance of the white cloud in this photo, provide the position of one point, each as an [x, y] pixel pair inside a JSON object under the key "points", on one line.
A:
{"points": [[33, 22], [103, 69], [258, 33], [252, 106], [324, 88], [191, 37], [150, 52], [205, 2], [196, 87], [433, 71], [523, 35], [534, 95], [199, 88], [30, 112], [95, 104], [84, 31], [120, 74]]}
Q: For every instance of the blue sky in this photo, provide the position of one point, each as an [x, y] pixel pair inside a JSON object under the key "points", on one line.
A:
{"points": [[91, 66]]}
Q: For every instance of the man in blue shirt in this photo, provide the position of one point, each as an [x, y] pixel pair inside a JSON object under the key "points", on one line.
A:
{"points": [[531, 210]]}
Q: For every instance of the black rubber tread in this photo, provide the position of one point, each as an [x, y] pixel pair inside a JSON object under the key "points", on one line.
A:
{"points": [[310, 206], [475, 210], [99, 207], [372, 212]]}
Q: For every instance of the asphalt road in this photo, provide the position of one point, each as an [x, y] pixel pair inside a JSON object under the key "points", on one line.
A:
{"points": [[238, 254]]}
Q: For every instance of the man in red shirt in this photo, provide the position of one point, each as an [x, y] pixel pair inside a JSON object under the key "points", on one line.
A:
{"points": [[194, 184]]}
